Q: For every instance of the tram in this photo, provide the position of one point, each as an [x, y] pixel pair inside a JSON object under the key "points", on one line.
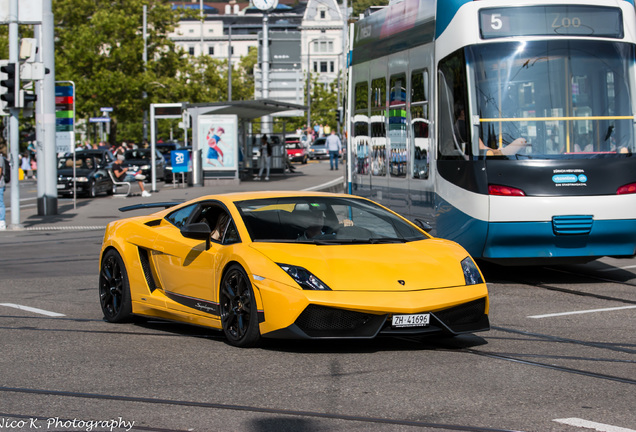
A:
{"points": [[507, 126]]}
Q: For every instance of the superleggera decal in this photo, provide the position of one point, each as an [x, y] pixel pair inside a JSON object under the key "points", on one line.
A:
{"points": [[206, 306]]}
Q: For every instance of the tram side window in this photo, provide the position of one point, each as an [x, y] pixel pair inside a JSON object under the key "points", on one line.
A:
{"points": [[361, 127], [453, 132], [397, 126], [378, 128], [419, 139]]}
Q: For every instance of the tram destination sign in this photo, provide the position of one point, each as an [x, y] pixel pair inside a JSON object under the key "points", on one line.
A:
{"points": [[554, 20]]}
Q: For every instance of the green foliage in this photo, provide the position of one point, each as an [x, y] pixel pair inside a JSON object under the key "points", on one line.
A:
{"points": [[99, 46], [359, 6]]}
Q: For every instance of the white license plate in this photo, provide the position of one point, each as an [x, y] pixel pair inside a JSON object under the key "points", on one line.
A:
{"points": [[414, 320], [61, 186]]}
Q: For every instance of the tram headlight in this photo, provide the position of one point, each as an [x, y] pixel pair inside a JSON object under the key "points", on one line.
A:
{"points": [[471, 272]]}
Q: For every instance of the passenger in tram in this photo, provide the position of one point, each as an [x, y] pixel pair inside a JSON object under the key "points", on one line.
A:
{"points": [[461, 132]]}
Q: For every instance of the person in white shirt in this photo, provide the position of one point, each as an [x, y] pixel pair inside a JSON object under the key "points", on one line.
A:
{"points": [[334, 146]]}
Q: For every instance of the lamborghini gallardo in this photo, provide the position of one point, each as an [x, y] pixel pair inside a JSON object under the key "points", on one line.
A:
{"points": [[302, 265]]}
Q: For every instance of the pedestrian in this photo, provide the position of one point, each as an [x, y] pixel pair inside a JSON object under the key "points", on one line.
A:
{"points": [[266, 156], [121, 174], [334, 146], [3, 224], [25, 164]]}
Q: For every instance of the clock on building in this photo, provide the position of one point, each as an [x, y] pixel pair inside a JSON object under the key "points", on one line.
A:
{"points": [[265, 5]]}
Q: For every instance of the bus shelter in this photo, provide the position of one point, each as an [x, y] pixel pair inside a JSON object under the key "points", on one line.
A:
{"points": [[222, 141]]}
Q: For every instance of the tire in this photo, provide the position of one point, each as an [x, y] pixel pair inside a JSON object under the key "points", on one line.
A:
{"points": [[114, 289], [111, 190], [239, 316], [92, 190]]}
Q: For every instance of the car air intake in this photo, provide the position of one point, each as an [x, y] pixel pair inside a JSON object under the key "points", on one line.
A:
{"points": [[572, 225], [322, 321]]}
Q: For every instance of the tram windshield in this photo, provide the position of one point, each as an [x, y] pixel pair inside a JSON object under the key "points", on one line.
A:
{"points": [[551, 99]]}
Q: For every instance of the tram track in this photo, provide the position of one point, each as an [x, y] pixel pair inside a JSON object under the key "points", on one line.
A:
{"points": [[244, 408]]}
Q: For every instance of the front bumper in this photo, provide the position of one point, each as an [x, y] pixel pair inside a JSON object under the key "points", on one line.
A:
{"points": [[365, 315]]}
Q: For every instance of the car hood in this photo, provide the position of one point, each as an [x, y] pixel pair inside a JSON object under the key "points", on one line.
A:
{"points": [[413, 266]]}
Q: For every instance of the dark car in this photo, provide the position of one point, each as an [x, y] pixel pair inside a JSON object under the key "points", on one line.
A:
{"points": [[91, 176], [140, 160], [165, 148], [318, 149], [103, 155]]}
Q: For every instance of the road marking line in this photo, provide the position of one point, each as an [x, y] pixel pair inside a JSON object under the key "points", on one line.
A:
{"points": [[32, 309], [592, 425], [582, 312]]}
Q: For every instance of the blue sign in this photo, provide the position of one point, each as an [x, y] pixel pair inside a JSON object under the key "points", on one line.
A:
{"points": [[180, 161]]}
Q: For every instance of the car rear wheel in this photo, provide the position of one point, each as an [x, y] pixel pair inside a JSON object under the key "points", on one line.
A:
{"points": [[239, 316], [114, 289]]}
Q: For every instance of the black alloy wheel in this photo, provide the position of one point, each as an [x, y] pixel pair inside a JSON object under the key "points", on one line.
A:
{"points": [[114, 289], [239, 316]]}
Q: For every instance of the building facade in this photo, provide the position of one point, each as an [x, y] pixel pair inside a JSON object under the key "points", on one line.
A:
{"points": [[307, 36]]}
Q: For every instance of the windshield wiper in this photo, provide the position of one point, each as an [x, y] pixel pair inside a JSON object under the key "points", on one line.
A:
{"points": [[379, 240]]}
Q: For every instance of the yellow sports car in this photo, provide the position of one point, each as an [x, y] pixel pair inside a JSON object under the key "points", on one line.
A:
{"points": [[289, 265]]}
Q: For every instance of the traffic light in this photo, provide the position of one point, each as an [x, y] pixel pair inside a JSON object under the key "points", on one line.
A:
{"points": [[339, 114], [27, 97], [11, 86]]}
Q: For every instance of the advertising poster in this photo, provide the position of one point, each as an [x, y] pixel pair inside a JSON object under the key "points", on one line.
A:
{"points": [[218, 142]]}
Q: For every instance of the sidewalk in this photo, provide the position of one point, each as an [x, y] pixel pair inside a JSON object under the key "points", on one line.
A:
{"points": [[94, 214]]}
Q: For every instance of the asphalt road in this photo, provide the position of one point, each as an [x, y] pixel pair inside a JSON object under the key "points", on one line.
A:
{"points": [[559, 357]]}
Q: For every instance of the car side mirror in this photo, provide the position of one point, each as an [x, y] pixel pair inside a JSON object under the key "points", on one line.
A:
{"points": [[424, 225], [198, 231]]}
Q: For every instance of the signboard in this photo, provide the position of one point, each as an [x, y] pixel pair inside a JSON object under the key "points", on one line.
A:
{"points": [[64, 117], [180, 161], [99, 120], [218, 142], [284, 50], [29, 11]]}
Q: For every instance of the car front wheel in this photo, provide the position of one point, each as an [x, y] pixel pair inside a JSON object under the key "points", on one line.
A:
{"points": [[239, 316], [114, 289]]}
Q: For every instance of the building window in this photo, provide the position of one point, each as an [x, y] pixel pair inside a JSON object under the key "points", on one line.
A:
{"points": [[323, 46], [191, 50], [331, 67], [211, 50], [191, 31], [323, 14], [323, 66], [210, 30], [315, 66]]}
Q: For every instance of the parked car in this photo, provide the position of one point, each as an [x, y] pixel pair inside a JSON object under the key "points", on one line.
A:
{"points": [[104, 156], [91, 176], [318, 149], [297, 151], [140, 160]]}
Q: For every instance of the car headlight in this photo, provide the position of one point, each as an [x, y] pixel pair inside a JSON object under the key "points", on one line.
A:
{"points": [[145, 167], [81, 179], [304, 278], [471, 272]]}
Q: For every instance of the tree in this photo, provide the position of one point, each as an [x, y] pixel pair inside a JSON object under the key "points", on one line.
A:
{"points": [[359, 6]]}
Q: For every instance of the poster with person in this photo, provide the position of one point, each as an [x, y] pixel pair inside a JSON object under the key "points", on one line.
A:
{"points": [[218, 142]]}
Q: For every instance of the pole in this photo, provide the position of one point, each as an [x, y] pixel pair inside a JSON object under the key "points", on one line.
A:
{"points": [[229, 64], [348, 120], [47, 165], [265, 126], [144, 94], [311, 42], [14, 124]]}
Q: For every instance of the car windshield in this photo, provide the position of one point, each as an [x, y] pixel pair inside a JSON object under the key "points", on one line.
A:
{"points": [[81, 162], [324, 221], [137, 154], [319, 142], [552, 99]]}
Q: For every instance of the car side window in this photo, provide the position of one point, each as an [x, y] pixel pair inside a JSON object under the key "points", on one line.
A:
{"points": [[180, 217]]}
